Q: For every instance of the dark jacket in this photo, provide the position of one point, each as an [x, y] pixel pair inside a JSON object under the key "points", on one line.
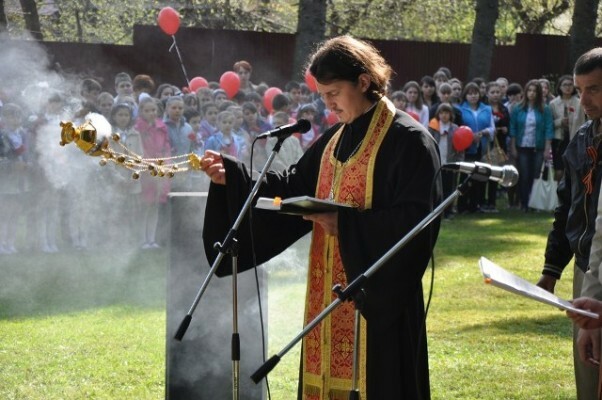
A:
{"points": [[575, 216]]}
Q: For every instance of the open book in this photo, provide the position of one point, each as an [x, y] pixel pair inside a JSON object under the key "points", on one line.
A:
{"points": [[299, 205], [498, 276]]}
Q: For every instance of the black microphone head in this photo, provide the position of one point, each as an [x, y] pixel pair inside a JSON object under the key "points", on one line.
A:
{"points": [[303, 125]]}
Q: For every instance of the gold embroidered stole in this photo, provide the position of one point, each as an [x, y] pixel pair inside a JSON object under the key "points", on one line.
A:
{"points": [[328, 348]]}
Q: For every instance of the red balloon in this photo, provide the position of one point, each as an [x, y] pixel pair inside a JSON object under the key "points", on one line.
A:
{"points": [[462, 138], [310, 81], [230, 82], [332, 119], [268, 96], [169, 20], [197, 83], [414, 115]]}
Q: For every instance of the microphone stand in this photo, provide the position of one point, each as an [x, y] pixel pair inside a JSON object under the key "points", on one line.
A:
{"points": [[355, 287], [230, 246]]}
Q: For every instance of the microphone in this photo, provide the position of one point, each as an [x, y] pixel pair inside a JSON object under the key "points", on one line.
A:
{"points": [[300, 126], [506, 175]]}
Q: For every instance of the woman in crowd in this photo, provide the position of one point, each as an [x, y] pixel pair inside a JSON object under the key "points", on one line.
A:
{"points": [[531, 133], [479, 117], [415, 103], [568, 117]]}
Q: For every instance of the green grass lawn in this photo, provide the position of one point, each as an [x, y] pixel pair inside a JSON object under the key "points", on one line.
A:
{"points": [[92, 325]]}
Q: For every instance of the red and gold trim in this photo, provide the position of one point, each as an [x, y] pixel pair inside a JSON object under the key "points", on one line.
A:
{"points": [[328, 349]]}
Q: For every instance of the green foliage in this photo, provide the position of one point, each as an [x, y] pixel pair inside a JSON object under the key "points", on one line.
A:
{"points": [[111, 21]]}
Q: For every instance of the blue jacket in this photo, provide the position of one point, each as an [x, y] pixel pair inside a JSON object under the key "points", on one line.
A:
{"points": [[483, 120], [178, 136], [544, 126]]}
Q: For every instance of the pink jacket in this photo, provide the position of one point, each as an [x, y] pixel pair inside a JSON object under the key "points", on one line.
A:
{"points": [[155, 142]]}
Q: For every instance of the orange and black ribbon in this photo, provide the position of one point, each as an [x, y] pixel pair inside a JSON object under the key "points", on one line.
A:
{"points": [[588, 179]]}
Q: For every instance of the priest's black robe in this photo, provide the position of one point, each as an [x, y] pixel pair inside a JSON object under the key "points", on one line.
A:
{"points": [[406, 189]]}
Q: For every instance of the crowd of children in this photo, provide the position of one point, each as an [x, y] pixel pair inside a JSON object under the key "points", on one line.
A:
{"points": [[162, 121]]}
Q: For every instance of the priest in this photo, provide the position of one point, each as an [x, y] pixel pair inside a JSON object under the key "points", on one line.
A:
{"points": [[384, 164]]}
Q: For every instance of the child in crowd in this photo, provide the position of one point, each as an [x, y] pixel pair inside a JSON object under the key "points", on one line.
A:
{"points": [[13, 175], [123, 84], [503, 83], [177, 126], [224, 141], [430, 97], [209, 113], [546, 89], [238, 121], [443, 128], [445, 96], [197, 180], [514, 94], [165, 91], [129, 100], [226, 104], [415, 103], [253, 123], [456, 96], [501, 118], [130, 210], [142, 84], [280, 103], [155, 142], [89, 91], [43, 220], [193, 117], [291, 150], [104, 103], [122, 122], [440, 77], [399, 99], [179, 135], [191, 101], [308, 112], [293, 91], [257, 100], [306, 94], [219, 96], [204, 95]]}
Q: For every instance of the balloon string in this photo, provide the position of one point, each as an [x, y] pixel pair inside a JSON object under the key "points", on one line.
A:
{"points": [[175, 45]]}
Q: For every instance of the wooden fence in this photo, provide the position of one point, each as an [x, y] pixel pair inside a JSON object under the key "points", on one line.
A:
{"points": [[209, 53]]}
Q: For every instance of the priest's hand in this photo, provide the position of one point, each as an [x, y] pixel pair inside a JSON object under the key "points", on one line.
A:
{"points": [[328, 221], [588, 344], [213, 165], [583, 321]]}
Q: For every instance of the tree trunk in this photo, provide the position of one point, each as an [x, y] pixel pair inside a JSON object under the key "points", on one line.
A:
{"points": [[32, 20], [3, 19], [483, 39], [583, 30], [311, 29]]}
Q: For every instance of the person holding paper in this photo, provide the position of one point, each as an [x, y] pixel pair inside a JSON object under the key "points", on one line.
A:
{"points": [[584, 321], [577, 228], [384, 163]]}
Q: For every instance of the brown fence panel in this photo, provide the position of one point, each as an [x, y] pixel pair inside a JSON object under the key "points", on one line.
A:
{"points": [[209, 53]]}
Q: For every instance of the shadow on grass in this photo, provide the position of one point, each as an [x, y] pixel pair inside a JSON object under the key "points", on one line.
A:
{"points": [[550, 326], [508, 231], [36, 284]]}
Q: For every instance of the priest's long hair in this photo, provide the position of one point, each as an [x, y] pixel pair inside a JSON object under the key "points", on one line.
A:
{"points": [[346, 58]]}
